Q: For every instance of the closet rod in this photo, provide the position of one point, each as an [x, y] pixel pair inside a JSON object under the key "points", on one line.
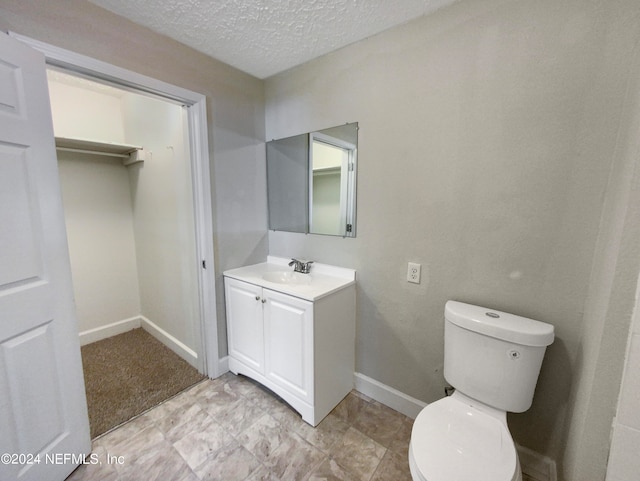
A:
{"points": [[94, 152]]}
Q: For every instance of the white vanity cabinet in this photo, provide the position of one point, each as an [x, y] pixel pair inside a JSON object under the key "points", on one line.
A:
{"points": [[288, 343], [272, 334], [245, 326], [300, 348]]}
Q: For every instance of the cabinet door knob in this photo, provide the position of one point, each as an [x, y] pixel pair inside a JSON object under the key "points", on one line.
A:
{"points": [[257, 298], [264, 300]]}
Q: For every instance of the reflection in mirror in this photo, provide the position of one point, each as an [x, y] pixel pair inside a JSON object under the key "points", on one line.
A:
{"points": [[330, 160], [311, 182]]}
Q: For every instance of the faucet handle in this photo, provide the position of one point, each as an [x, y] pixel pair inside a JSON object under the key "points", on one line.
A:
{"points": [[303, 267], [297, 265]]}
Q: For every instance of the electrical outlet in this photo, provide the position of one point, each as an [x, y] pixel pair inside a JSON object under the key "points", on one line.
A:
{"points": [[413, 273]]}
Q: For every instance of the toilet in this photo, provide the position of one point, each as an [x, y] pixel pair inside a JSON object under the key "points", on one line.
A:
{"points": [[492, 359]]}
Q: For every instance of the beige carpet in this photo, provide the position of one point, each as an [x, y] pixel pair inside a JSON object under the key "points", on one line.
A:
{"points": [[129, 373]]}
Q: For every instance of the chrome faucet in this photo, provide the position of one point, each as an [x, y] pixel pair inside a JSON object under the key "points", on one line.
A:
{"points": [[304, 267]]}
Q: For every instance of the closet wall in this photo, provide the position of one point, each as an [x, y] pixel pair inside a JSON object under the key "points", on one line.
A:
{"points": [[130, 229], [98, 209], [163, 219]]}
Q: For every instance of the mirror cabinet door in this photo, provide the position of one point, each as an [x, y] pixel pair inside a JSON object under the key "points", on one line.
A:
{"points": [[311, 182], [287, 184]]}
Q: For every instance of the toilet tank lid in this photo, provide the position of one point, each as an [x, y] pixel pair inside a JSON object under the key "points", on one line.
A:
{"points": [[498, 324]]}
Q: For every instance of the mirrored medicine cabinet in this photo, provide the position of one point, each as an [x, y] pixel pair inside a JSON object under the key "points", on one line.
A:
{"points": [[311, 182]]}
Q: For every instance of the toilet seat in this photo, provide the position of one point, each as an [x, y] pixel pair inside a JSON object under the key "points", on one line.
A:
{"points": [[452, 440]]}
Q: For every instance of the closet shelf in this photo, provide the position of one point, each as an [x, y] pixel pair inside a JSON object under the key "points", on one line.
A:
{"points": [[327, 171], [130, 154]]}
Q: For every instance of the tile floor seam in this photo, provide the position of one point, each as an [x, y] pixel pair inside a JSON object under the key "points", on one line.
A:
{"points": [[314, 468], [349, 471], [213, 454]]}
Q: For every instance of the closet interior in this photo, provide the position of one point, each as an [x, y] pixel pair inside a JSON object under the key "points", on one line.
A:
{"points": [[125, 175]]}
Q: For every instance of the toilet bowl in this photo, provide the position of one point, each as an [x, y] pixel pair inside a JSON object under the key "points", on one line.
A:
{"points": [[493, 360], [454, 440]]}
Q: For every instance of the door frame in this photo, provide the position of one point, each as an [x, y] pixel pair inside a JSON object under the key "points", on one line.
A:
{"points": [[195, 103]]}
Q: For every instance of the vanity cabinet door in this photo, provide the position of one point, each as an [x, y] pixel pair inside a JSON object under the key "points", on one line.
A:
{"points": [[244, 323], [288, 324]]}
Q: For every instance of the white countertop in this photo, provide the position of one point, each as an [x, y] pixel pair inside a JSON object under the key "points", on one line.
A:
{"points": [[324, 279]]}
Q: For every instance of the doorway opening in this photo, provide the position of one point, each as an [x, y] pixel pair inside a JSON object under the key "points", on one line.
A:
{"points": [[125, 174]]}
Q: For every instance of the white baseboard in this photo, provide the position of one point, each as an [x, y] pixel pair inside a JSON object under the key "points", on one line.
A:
{"points": [[536, 466], [181, 349], [113, 329], [223, 365], [119, 327], [388, 396]]}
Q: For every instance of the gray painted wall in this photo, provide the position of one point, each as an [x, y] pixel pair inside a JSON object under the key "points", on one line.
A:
{"points": [[487, 137]]}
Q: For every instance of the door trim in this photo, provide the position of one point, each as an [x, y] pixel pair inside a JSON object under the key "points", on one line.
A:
{"points": [[199, 146]]}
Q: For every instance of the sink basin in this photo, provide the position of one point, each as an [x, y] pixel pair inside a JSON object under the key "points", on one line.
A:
{"points": [[287, 277]]}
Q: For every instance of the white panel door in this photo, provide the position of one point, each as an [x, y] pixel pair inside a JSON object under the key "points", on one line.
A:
{"points": [[43, 414], [288, 332], [244, 323]]}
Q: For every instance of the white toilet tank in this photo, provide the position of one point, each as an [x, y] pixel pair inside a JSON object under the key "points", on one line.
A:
{"points": [[492, 356]]}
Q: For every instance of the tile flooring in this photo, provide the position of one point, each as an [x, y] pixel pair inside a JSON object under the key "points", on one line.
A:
{"points": [[232, 429]]}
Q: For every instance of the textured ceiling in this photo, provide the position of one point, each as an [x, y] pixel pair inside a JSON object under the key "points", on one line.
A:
{"points": [[265, 37]]}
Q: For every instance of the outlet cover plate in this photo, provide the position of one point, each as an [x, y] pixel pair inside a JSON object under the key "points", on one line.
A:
{"points": [[413, 272]]}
